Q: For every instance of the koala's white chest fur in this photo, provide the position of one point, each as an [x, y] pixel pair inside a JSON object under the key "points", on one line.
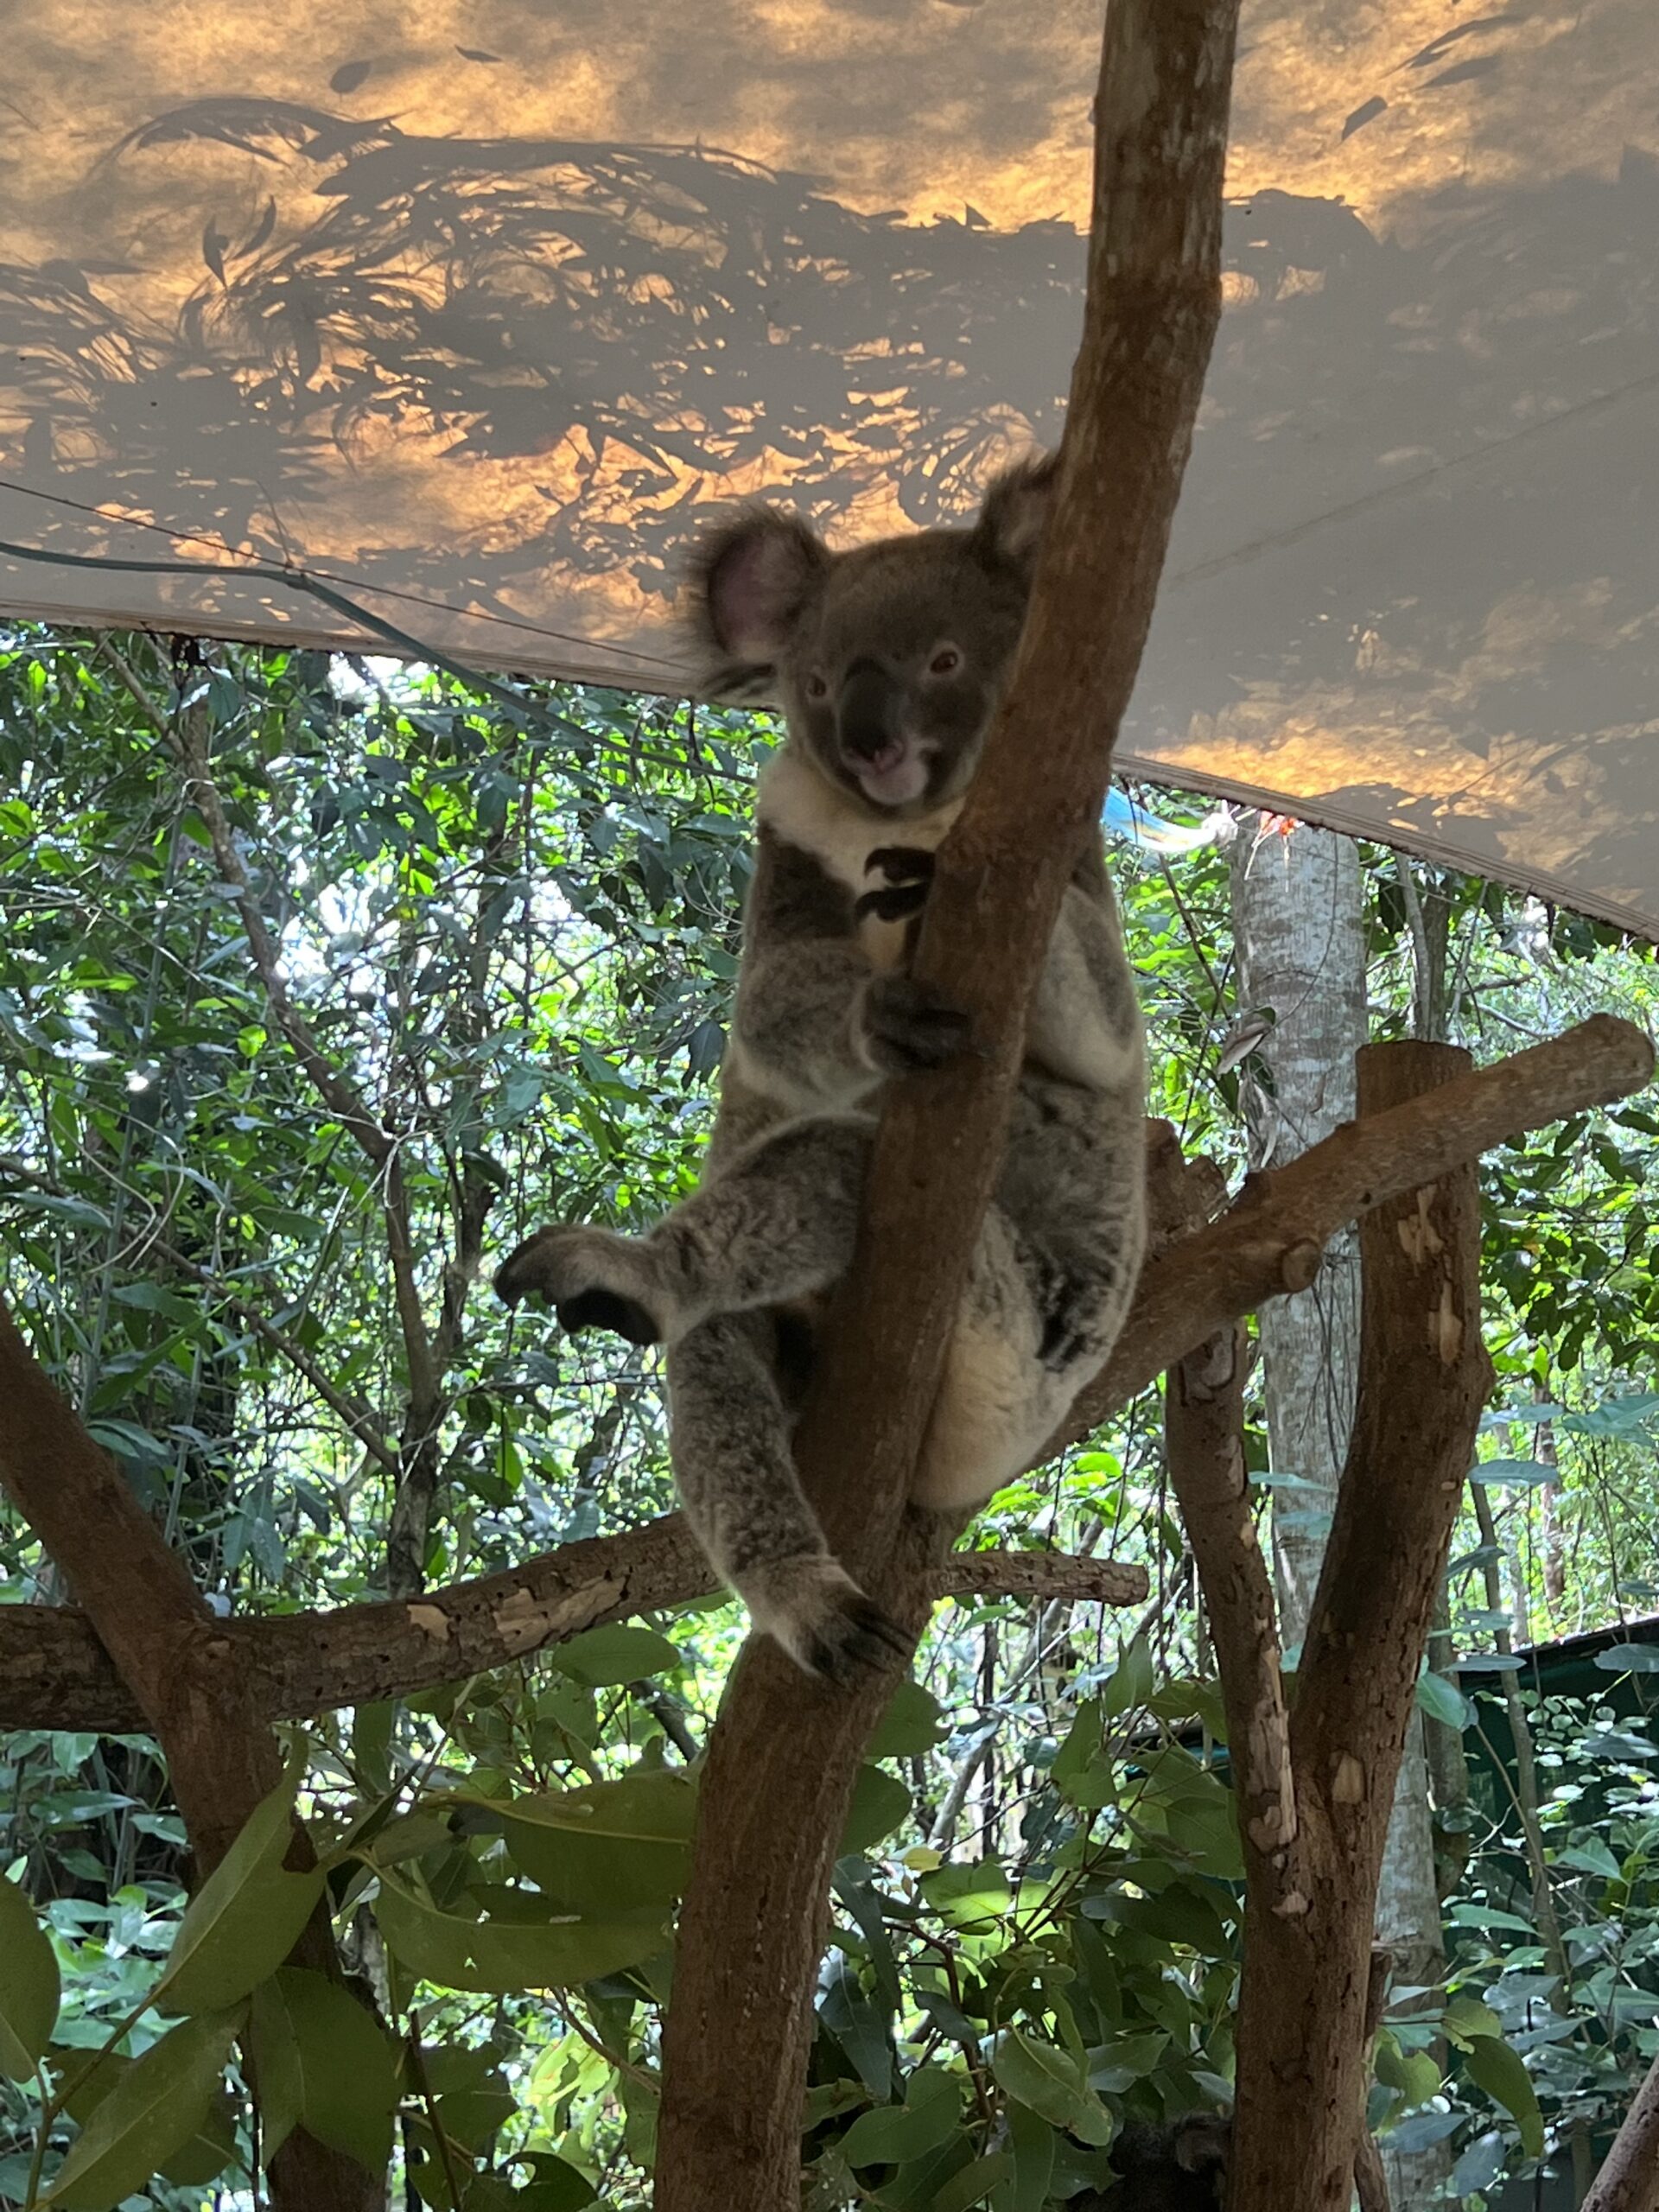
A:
{"points": [[797, 805]]}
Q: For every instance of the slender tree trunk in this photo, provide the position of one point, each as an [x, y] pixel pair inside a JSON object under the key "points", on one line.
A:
{"points": [[1299, 932]]}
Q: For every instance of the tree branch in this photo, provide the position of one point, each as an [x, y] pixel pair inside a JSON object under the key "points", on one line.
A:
{"points": [[1629, 2180], [1269, 1239], [784, 1752], [221, 1756], [55, 1673], [1424, 1376]]}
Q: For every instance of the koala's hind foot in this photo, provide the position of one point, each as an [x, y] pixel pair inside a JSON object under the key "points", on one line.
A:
{"points": [[593, 1280], [822, 1619]]}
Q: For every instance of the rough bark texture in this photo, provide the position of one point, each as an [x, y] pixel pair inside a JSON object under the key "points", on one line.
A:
{"points": [[138, 1594], [1423, 1377], [1298, 932], [55, 1673], [1299, 924], [784, 1753], [1629, 2180]]}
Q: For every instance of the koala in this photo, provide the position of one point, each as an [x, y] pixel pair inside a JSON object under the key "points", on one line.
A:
{"points": [[1179, 2166], [889, 660]]}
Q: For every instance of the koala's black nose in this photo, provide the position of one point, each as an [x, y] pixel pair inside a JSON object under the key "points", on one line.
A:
{"points": [[864, 712]]}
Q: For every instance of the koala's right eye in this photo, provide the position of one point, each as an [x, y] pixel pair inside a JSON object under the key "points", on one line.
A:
{"points": [[817, 688]]}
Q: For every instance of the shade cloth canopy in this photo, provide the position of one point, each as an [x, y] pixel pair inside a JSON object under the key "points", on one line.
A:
{"points": [[466, 313]]}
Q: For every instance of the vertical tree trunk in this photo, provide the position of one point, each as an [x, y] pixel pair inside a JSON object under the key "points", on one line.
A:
{"points": [[1299, 924]]}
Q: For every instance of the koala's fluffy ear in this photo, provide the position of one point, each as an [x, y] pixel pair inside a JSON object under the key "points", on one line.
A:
{"points": [[1203, 2141], [749, 581], [1015, 511]]}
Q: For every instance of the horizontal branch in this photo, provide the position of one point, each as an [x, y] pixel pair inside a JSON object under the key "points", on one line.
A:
{"points": [[1270, 1239], [55, 1673]]}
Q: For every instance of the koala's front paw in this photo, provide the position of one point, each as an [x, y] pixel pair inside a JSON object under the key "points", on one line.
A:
{"points": [[907, 872], [824, 1620], [592, 1278], [905, 1026]]}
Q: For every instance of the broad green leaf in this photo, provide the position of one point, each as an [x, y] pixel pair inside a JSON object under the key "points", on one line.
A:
{"points": [[974, 2183], [1050, 2082], [1499, 2071], [1629, 1659], [612, 1845], [1129, 1685], [325, 2064], [502, 1955], [1444, 1701], [1466, 2017], [1514, 1474], [1081, 1773], [880, 1802], [159, 2104], [969, 1894], [202, 2158], [28, 1985], [1591, 1857], [604, 1658], [1031, 2141], [890, 2133], [244, 1920], [911, 1726]]}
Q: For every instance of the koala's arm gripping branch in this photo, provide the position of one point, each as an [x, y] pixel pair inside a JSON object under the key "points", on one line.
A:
{"points": [[784, 1752]]}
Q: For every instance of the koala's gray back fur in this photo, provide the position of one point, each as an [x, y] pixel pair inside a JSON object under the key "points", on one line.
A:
{"points": [[890, 661]]}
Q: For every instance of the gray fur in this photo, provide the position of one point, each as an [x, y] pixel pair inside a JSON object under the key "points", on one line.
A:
{"points": [[890, 661]]}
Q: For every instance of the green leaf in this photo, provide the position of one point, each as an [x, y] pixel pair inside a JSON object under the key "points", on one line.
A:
{"points": [[200, 2159], [158, 2105], [614, 1845], [974, 2183], [1031, 2141], [244, 1920], [1499, 2071], [1466, 2017], [969, 1894], [1081, 1774], [1444, 1701], [1514, 1474], [28, 1985], [880, 1802], [325, 2064], [604, 1658], [1130, 1684], [890, 2133], [1591, 1857], [509, 1953], [1629, 1659], [911, 1726], [1050, 2082]]}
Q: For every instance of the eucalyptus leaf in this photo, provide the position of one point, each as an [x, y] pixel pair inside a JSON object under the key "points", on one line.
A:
{"points": [[30, 1991]]}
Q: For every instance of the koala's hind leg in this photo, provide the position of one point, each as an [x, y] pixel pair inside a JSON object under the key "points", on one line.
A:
{"points": [[730, 1430], [775, 1223]]}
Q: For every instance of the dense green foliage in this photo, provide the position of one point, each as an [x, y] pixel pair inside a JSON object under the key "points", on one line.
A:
{"points": [[510, 930]]}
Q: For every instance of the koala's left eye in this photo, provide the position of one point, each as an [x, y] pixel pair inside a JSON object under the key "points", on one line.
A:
{"points": [[946, 661]]}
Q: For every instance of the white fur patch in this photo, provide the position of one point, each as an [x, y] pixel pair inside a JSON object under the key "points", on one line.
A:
{"points": [[798, 805]]}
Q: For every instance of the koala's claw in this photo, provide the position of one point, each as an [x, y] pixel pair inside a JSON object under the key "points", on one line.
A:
{"points": [[893, 902], [908, 1027], [909, 864], [855, 1639], [568, 1268]]}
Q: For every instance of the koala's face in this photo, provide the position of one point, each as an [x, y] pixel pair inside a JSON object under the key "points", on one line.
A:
{"points": [[889, 660]]}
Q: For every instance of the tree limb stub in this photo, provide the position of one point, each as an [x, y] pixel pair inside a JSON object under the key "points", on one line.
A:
{"points": [[1423, 1377], [784, 1751], [222, 1759]]}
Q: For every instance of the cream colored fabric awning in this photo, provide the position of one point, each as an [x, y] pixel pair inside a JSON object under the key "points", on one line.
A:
{"points": [[466, 313]]}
